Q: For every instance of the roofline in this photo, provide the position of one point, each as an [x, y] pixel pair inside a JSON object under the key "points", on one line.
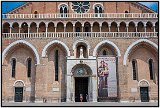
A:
{"points": [[132, 2], [142, 5], [18, 7]]}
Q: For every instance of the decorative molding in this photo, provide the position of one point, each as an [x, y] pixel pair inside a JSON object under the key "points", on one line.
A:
{"points": [[59, 6], [20, 42], [100, 4], [106, 42], [134, 44], [19, 83], [143, 83], [44, 51]]}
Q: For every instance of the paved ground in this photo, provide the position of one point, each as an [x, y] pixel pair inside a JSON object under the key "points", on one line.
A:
{"points": [[83, 104]]}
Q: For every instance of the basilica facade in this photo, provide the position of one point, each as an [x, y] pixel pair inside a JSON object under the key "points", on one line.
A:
{"points": [[80, 52]]}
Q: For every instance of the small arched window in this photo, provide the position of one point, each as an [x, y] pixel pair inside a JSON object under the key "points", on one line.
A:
{"points": [[13, 63], [134, 69], [5, 31], [126, 13], [104, 52], [35, 14], [63, 10], [98, 10], [56, 65], [29, 67], [151, 68]]}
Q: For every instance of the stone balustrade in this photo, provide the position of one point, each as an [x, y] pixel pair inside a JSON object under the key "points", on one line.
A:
{"points": [[80, 15], [80, 35]]}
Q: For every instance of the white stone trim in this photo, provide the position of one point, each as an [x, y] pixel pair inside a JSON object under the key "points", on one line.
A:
{"points": [[107, 42], [20, 81], [136, 43], [100, 4], [81, 41], [20, 42], [79, 1], [59, 6], [150, 59], [141, 81], [10, 60], [52, 42]]}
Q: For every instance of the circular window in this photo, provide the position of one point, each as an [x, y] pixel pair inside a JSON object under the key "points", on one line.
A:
{"points": [[80, 7]]}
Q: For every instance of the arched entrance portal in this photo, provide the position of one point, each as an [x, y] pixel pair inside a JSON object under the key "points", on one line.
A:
{"points": [[19, 86], [144, 90], [82, 75]]}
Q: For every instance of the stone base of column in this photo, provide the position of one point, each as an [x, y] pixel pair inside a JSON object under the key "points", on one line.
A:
{"points": [[69, 101], [94, 100]]}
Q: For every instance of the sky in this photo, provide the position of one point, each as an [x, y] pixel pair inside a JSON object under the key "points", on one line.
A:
{"points": [[8, 6]]}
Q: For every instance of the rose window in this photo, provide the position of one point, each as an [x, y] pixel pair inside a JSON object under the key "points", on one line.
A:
{"points": [[80, 7]]}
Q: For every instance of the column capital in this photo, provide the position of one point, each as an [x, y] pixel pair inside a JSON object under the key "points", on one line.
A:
{"points": [[127, 24], [109, 24], [100, 24], [118, 24], [136, 24], [64, 24], [82, 25], [73, 23]]}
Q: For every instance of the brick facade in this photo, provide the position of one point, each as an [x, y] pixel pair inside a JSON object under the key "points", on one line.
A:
{"points": [[42, 84]]}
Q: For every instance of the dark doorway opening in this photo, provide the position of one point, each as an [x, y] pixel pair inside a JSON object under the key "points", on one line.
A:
{"points": [[81, 87], [77, 29], [86, 29], [144, 94], [18, 94]]}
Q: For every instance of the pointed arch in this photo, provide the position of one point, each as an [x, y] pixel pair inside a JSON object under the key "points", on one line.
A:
{"points": [[134, 44], [53, 42], [20, 42], [107, 42]]}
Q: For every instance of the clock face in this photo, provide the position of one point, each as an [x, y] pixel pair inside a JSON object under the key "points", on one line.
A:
{"points": [[79, 71], [80, 7]]}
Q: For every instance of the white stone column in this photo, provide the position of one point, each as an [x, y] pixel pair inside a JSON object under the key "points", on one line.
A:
{"points": [[69, 88], [100, 28], [109, 27], [55, 29], [28, 30], [10, 30], [91, 27], [154, 28], [46, 30], [94, 89], [145, 29], [37, 29], [82, 28], [73, 28], [117, 28], [127, 28], [136, 28], [90, 94], [19, 30], [64, 28]]}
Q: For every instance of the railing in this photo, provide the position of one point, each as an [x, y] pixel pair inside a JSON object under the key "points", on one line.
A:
{"points": [[80, 15], [80, 35]]}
